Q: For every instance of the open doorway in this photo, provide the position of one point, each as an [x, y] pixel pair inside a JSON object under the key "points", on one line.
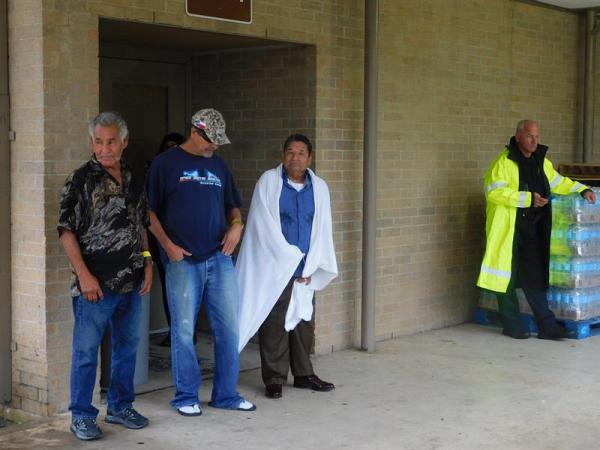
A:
{"points": [[158, 76]]}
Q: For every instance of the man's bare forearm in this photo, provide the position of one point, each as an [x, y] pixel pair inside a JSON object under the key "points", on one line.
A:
{"points": [[73, 251], [235, 215]]}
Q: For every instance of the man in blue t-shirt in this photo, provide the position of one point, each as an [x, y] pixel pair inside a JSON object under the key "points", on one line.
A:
{"points": [[195, 216]]}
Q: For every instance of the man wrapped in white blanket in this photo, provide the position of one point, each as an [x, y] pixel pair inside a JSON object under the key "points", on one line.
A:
{"points": [[287, 253]]}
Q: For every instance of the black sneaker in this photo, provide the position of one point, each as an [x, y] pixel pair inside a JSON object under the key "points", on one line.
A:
{"points": [[86, 429], [129, 418], [556, 333]]}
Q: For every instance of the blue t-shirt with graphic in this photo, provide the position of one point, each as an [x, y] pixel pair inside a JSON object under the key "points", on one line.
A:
{"points": [[192, 196]]}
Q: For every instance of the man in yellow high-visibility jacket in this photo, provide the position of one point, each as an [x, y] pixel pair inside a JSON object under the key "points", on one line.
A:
{"points": [[518, 185]]}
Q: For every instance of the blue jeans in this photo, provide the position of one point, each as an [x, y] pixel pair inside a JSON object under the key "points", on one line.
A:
{"points": [[123, 313], [189, 283]]}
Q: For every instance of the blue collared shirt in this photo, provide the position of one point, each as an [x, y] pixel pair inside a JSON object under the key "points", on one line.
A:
{"points": [[296, 211]]}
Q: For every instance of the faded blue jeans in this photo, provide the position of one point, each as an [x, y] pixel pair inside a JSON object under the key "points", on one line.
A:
{"points": [[123, 313], [189, 283]]}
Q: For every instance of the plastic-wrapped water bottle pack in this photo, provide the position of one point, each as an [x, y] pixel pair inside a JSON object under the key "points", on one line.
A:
{"points": [[575, 240], [574, 209], [575, 304], [575, 257], [576, 272]]}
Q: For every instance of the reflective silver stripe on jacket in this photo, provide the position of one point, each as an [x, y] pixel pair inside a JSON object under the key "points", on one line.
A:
{"points": [[522, 199], [496, 185], [576, 186], [556, 181], [495, 272]]}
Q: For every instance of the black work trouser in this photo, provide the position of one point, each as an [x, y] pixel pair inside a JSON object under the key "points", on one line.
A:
{"points": [[281, 350], [508, 305], [529, 271]]}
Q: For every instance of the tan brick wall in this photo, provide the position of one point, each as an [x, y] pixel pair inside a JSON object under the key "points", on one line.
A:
{"points": [[265, 95], [51, 101], [455, 77], [30, 359]]}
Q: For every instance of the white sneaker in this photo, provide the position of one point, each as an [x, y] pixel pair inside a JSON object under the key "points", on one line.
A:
{"points": [[190, 410], [246, 406]]}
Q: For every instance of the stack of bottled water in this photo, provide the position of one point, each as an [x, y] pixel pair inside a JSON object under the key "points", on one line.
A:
{"points": [[575, 258]]}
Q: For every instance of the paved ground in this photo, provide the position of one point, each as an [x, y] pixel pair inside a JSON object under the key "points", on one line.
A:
{"points": [[466, 387]]}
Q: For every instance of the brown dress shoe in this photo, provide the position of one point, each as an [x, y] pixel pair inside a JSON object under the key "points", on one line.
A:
{"points": [[313, 382], [273, 390]]}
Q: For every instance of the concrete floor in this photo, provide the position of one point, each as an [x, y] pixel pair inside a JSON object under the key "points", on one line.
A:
{"points": [[466, 387]]}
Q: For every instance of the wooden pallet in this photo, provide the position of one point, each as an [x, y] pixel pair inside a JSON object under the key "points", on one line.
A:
{"points": [[581, 329]]}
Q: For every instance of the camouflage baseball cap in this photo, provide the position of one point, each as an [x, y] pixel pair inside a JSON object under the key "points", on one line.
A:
{"points": [[212, 123]]}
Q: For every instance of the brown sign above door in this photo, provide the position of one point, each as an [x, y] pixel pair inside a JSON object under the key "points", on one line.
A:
{"points": [[233, 10]]}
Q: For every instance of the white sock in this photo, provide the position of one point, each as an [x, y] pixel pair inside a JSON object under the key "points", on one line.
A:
{"points": [[192, 409], [245, 405]]}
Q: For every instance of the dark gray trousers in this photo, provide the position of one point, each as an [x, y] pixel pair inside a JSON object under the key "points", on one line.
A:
{"points": [[280, 349], [529, 271]]}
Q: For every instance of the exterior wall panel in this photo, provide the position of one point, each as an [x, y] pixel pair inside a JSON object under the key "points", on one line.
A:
{"points": [[5, 298], [454, 78]]}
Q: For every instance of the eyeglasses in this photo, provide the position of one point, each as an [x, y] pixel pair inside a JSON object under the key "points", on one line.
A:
{"points": [[203, 135]]}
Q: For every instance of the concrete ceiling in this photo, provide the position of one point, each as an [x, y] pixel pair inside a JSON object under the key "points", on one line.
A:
{"points": [[573, 4], [159, 36]]}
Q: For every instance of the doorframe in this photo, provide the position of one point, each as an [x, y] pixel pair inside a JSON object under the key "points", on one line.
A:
{"points": [[5, 222]]}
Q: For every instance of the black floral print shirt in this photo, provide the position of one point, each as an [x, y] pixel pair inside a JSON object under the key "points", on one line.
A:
{"points": [[108, 220]]}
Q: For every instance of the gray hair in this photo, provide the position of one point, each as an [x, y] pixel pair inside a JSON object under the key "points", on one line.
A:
{"points": [[107, 119], [522, 124]]}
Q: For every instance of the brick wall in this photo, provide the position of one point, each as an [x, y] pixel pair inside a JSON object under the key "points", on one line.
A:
{"points": [[265, 95], [30, 359], [51, 101], [455, 78]]}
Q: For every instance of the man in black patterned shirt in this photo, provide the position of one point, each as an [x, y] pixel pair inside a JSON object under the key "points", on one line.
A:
{"points": [[102, 226]]}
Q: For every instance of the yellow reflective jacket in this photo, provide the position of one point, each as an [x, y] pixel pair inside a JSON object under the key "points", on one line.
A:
{"points": [[503, 197]]}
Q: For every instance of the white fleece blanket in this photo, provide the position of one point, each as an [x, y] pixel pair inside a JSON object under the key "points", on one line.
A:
{"points": [[267, 262]]}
